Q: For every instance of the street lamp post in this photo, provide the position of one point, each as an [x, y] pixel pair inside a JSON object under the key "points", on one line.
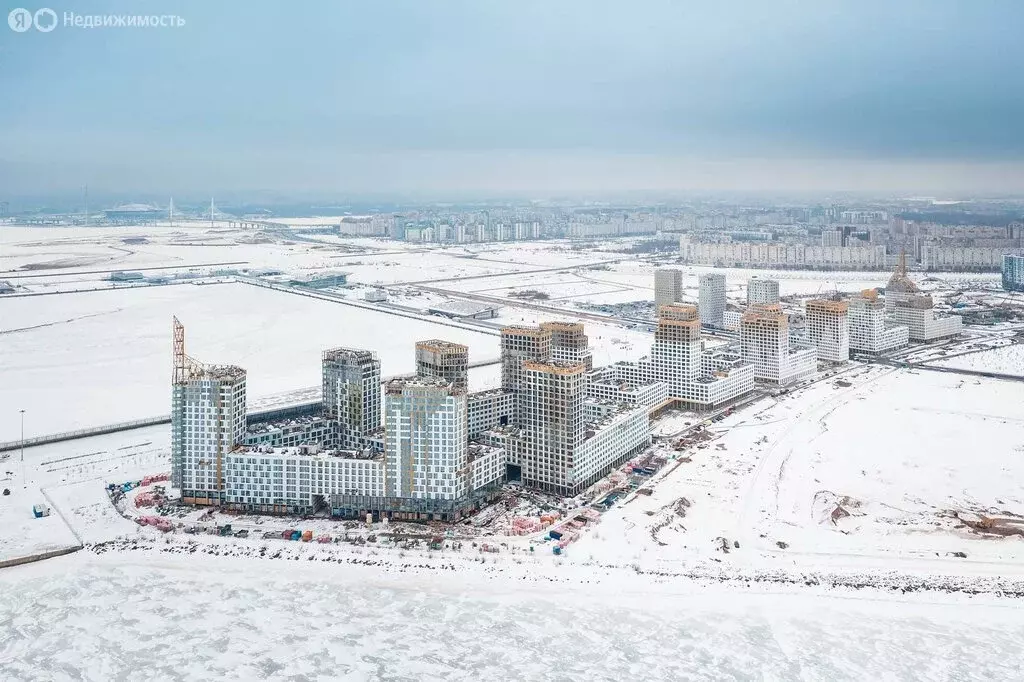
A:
{"points": [[24, 483]]}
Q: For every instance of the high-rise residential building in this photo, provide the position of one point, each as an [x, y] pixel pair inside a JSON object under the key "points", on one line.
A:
{"points": [[569, 343], [1013, 273], [917, 314], [694, 377], [207, 422], [553, 423], [675, 355], [870, 332], [832, 238], [668, 286], [711, 300], [443, 359], [519, 344], [351, 394], [426, 440], [828, 328], [762, 291], [764, 336]]}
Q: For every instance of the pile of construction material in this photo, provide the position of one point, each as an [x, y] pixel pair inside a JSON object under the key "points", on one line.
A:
{"points": [[158, 522]]}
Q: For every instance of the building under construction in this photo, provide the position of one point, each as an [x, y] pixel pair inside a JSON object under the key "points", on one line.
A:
{"points": [[434, 452], [207, 423], [445, 360]]}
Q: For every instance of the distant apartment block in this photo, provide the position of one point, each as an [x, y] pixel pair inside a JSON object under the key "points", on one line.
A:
{"points": [[711, 299], [831, 238], [762, 291], [744, 254], [1013, 273], [964, 258], [668, 286]]}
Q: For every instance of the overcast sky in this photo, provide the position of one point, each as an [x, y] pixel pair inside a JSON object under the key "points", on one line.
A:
{"points": [[439, 96]]}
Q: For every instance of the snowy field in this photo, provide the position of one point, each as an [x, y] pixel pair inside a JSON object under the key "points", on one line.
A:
{"points": [[1004, 360], [22, 534], [105, 357], [178, 618], [898, 451]]}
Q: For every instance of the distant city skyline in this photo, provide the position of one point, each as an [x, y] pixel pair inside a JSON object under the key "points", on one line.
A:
{"points": [[453, 99]]}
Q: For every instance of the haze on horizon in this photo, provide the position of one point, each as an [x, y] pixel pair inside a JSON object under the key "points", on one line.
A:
{"points": [[414, 96]]}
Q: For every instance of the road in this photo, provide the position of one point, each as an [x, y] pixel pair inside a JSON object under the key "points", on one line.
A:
{"points": [[61, 272]]}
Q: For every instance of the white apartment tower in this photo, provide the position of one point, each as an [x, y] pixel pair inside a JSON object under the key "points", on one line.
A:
{"points": [[553, 424], [869, 331], [668, 286], [762, 291], [831, 238], [675, 355], [426, 440], [351, 394], [207, 423], [828, 327], [764, 336], [711, 300]]}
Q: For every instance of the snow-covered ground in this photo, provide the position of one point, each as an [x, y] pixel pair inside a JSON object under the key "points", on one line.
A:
{"points": [[21, 533], [899, 451], [1008, 359], [809, 536], [79, 360], [188, 617]]}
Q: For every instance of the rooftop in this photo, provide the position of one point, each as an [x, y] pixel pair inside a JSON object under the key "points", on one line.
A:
{"points": [[441, 346], [349, 353], [222, 372], [311, 450]]}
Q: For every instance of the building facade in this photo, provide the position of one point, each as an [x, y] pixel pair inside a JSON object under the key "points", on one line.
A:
{"points": [[552, 426], [745, 254], [1013, 273], [520, 344], [569, 343], [711, 299], [351, 394], [761, 291], [916, 313], [445, 360], [828, 328], [426, 440], [207, 423], [764, 336], [668, 286], [870, 332]]}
